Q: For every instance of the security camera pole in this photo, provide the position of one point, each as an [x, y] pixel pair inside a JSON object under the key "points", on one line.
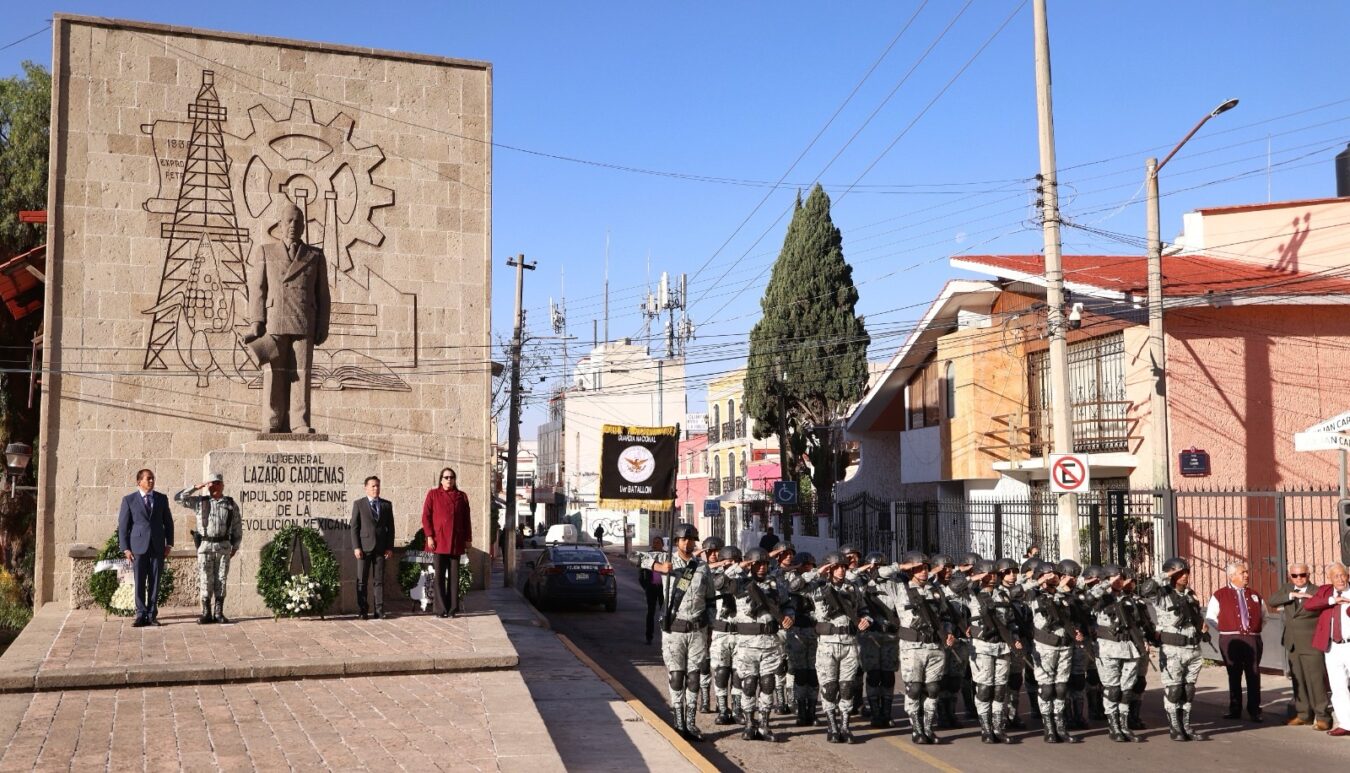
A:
{"points": [[1060, 397]]}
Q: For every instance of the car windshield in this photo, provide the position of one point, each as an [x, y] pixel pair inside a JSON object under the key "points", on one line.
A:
{"points": [[578, 555]]}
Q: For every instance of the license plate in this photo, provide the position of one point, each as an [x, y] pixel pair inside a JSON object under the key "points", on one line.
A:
{"points": [[581, 576]]}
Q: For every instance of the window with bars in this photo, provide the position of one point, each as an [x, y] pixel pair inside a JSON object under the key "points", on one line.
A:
{"points": [[1100, 410]]}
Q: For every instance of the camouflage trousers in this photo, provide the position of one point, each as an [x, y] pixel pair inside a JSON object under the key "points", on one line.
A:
{"points": [[213, 569], [1118, 678], [722, 655], [683, 654], [879, 652], [1052, 666], [922, 667], [1180, 668], [836, 672], [757, 669], [990, 670], [801, 657]]}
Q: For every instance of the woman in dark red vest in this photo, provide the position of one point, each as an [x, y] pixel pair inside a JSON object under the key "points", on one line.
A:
{"points": [[445, 522]]}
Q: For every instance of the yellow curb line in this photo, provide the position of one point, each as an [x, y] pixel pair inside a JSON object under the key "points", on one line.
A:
{"points": [[921, 755], [659, 725]]}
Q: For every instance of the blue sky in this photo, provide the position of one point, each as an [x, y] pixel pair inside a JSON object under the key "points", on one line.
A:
{"points": [[738, 91]]}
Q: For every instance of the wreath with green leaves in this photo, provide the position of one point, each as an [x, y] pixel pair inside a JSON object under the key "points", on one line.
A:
{"points": [[410, 572], [276, 585], [103, 585]]}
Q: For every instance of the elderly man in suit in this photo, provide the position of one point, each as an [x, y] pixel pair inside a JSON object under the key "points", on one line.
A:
{"points": [[288, 305], [145, 535], [1307, 665], [1237, 614], [372, 530], [1331, 602]]}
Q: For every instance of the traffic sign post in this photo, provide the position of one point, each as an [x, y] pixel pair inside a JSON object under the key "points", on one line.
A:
{"points": [[1068, 473], [785, 492]]}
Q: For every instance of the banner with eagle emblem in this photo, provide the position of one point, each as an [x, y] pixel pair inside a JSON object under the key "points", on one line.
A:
{"points": [[638, 467]]}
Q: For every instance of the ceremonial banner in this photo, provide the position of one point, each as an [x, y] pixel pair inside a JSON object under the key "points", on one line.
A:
{"points": [[637, 467]]}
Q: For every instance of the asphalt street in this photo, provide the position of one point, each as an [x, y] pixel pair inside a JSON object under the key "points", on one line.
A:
{"points": [[617, 643]]}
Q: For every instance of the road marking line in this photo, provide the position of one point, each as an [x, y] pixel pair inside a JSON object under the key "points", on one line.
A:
{"points": [[659, 725], [921, 755]]}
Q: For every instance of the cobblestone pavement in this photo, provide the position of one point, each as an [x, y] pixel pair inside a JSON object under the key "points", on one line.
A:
{"points": [[483, 721]]}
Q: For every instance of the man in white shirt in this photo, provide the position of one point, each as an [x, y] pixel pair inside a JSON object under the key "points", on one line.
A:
{"points": [[1236, 613], [1333, 637]]}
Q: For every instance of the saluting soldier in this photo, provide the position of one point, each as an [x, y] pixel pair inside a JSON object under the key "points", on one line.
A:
{"points": [[994, 638], [800, 641], [689, 589], [220, 530], [1118, 650], [839, 617], [1053, 636], [879, 645], [712, 547], [1181, 629], [763, 607], [722, 649], [926, 630], [783, 556]]}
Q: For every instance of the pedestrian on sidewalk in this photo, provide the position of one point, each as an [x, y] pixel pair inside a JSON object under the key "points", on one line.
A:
{"points": [[372, 540], [220, 531], [1332, 604], [1307, 664], [445, 524], [651, 585], [599, 535], [1236, 612], [145, 535]]}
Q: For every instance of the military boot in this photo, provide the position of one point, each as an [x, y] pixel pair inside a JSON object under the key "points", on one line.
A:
{"points": [[845, 733], [812, 705], [1132, 720], [783, 706], [1123, 722], [1048, 725], [220, 611], [1013, 721], [762, 727], [206, 613], [928, 726], [887, 706], [748, 728], [1113, 727], [803, 712], [724, 716], [987, 728], [1000, 725], [707, 698], [916, 735], [832, 725], [1061, 720], [691, 730], [677, 718], [1175, 731], [1191, 733]]}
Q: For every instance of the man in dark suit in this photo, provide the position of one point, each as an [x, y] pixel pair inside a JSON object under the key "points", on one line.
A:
{"points": [[288, 306], [372, 529], [1307, 664], [145, 535]]}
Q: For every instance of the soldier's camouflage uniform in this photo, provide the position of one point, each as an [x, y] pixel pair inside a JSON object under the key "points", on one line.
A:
{"points": [[925, 624], [990, 612], [1118, 657], [221, 527], [838, 608], [759, 651], [1052, 652], [1181, 628], [683, 647], [879, 645]]}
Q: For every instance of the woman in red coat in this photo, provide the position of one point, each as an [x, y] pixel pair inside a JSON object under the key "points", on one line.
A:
{"points": [[445, 523]]}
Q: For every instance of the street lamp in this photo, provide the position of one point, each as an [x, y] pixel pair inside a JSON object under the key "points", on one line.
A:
{"points": [[17, 456], [1162, 467]]}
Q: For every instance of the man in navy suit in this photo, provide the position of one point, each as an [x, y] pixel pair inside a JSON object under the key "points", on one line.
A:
{"points": [[145, 534]]}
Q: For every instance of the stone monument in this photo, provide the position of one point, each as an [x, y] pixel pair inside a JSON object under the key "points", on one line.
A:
{"points": [[183, 163]]}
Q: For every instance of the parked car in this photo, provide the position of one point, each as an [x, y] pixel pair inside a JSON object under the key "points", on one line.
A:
{"points": [[571, 573]]}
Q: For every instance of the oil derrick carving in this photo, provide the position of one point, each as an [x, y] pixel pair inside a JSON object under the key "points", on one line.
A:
{"points": [[203, 279]]}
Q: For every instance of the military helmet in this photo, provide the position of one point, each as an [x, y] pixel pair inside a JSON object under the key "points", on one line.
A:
{"points": [[1045, 567], [684, 531], [713, 543], [1092, 572], [785, 546], [804, 558], [1029, 565], [1111, 570], [845, 550], [983, 566], [757, 555], [1126, 573], [913, 558], [1005, 565], [877, 557], [1174, 565], [941, 561], [968, 559], [1070, 567], [730, 553], [834, 557]]}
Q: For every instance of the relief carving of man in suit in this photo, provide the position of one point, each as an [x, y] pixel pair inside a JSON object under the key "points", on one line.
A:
{"points": [[288, 304]]}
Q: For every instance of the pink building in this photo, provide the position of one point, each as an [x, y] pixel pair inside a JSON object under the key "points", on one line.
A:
{"points": [[691, 485]]}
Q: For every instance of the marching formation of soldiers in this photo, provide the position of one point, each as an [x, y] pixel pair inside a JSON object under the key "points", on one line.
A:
{"points": [[749, 635]]}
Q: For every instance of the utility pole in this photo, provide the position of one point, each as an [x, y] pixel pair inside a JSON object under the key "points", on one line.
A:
{"points": [[1060, 396], [513, 419]]}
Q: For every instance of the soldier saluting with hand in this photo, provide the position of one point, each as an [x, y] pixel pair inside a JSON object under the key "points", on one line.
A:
{"points": [[220, 530], [689, 589]]}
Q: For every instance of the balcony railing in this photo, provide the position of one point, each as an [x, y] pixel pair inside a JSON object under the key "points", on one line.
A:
{"points": [[1098, 427], [714, 486], [714, 434]]}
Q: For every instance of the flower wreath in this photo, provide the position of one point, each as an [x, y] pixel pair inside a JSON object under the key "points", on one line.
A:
{"points": [[116, 597], [293, 595], [414, 571]]}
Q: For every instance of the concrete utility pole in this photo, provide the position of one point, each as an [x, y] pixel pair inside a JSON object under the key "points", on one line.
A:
{"points": [[1157, 344], [1060, 396], [513, 419]]}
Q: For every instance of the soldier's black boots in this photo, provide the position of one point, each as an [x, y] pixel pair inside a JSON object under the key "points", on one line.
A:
{"points": [[1050, 735], [1077, 717], [1174, 728], [206, 613], [1191, 734], [987, 729], [1062, 727], [762, 727], [879, 707], [677, 718], [781, 693], [748, 729], [220, 611], [691, 731], [832, 725], [845, 734], [724, 716]]}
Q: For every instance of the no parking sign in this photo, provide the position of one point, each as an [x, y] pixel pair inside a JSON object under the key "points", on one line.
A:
{"points": [[1068, 473]]}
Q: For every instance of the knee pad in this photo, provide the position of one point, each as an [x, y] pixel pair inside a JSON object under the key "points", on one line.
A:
{"points": [[1077, 682], [914, 691], [932, 689], [1061, 691], [984, 692], [1047, 692], [1114, 694], [1176, 693], [706, 668], [722, 678], [768, 683], [1000, 693], [677, 679], [750, 685], [830, 692], [888, 681], [873, 678], [848, 690], [1190, 693]]}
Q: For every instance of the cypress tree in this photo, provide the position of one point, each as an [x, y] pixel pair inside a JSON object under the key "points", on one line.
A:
{"points": [[811, 333]]}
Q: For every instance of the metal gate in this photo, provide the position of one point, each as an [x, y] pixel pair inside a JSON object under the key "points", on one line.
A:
{"points": [[865, 523]]}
